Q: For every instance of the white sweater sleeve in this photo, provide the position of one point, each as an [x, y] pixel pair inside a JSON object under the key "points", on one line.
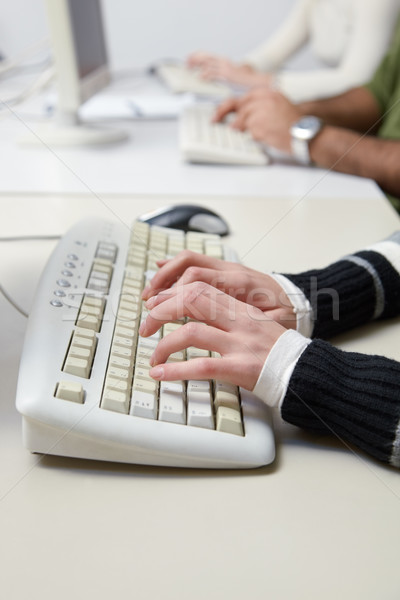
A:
{"points": [[289, 38], [372, 29]]}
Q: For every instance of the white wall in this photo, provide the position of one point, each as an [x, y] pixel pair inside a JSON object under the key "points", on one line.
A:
{"points": [[140, 32]]}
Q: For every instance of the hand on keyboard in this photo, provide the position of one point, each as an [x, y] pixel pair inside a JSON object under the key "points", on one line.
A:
{"points": [[244, 284], [91, 395], [253, 115], [219, 68], [240, 334]]}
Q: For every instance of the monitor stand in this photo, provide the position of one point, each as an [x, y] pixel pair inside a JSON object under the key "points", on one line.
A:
{"points": [[68, 130]]}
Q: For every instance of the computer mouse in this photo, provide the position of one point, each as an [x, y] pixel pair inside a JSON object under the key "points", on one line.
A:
{"points": [[188, 217]]}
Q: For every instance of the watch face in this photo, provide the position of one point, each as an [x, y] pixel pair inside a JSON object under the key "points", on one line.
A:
{"points": [[307, 127]]}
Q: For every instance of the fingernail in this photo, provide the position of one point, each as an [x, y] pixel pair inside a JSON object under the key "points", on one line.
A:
{"points": [[151, 360], [142, 328], [157, 373], [150, 302], [145, 292]]}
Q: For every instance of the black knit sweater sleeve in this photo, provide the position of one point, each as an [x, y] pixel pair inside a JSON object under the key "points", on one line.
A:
{"points": [[356, 289], [353, 396]]}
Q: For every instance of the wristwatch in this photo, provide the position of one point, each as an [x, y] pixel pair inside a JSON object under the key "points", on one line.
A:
{"points": [[302, 132]]}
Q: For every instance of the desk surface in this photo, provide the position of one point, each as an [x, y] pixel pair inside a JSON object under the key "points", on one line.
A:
{"points": [[148, 162], [321, 522]]}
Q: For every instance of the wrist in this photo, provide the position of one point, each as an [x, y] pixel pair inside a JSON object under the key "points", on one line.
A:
{"points": [[303, 132], [277, 370]]}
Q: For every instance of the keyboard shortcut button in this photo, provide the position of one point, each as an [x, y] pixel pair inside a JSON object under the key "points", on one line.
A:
{"points": [[63, 283], [71, 391], [56, 303]]}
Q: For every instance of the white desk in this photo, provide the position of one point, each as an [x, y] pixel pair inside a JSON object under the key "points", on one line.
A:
{"points": [[321, 523], [148, 162]]}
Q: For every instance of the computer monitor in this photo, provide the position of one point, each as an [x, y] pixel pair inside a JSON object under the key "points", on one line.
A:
{"points": [[81, 66]]}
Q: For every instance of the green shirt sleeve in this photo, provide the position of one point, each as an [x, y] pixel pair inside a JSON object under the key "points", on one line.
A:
{"points": [[386, 78]]}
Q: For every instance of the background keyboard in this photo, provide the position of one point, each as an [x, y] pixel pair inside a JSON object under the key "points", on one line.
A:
{"points": [[179, 79], [84, 388], [202, 141]]}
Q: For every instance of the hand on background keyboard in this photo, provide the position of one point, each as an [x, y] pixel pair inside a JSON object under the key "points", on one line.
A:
{"points": [[240, 333], [219, 68], [244, 284], [265, 113]]}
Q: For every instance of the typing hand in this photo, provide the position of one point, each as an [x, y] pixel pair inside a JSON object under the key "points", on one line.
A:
{"points": [[240, 282], [242, 334], [219, 68], [265, 113], [212, 67]]}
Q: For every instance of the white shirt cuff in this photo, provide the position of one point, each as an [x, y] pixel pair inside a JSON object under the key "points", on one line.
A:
{"points": [[275, 375], [301, 306]]}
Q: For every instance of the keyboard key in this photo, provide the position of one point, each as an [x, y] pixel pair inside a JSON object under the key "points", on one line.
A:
{"points": [[144, 399], [77, 366], [116, 401], [172, 402], [199, 404], [229, 420], [71, 391]]}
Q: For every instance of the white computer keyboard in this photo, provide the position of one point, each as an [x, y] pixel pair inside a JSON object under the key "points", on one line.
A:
{"points": [[84, 389], [202, 141], [179, 79]]}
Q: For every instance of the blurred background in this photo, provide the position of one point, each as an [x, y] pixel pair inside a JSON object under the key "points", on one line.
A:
{"points": [[140, 33]]}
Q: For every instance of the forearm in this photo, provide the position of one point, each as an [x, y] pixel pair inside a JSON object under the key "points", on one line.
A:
{"points": [[354, 290], [288, 38], [352, 396], [367, 156], [356, 109]]}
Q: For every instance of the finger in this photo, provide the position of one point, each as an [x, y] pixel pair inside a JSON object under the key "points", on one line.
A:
{"points": [[240, 284], [221, 280], [162, 262], [198, 301], [224, 109], [244, 114], [175, 267], [197, 368], [198, 58], [194, 334], [210, 71], [285, 318], [227, 280]]}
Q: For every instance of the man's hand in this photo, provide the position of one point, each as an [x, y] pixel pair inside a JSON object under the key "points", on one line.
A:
{"points": [[265, 113]]}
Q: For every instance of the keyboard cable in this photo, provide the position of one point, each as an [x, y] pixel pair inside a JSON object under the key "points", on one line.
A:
{"points": [[23, 238]]}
